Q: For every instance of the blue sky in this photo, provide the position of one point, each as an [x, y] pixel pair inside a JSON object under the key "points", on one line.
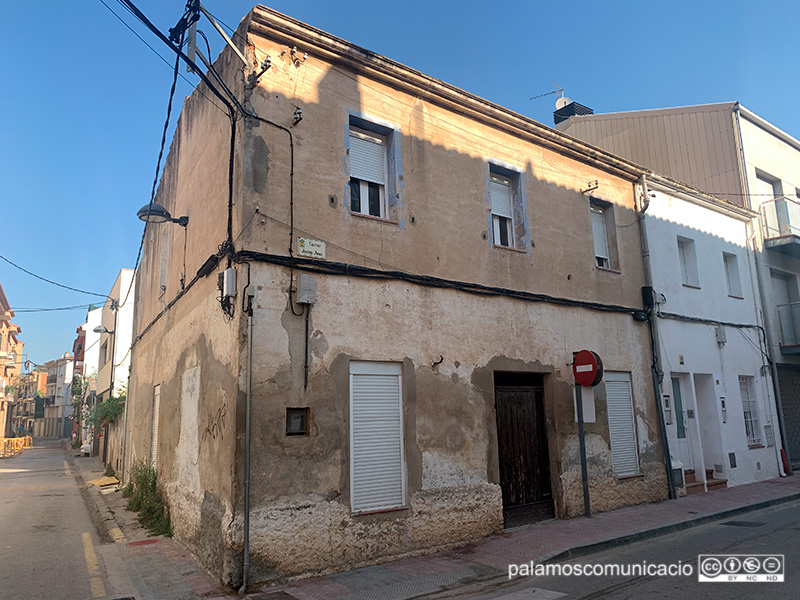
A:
{"points": [[83, 102]]}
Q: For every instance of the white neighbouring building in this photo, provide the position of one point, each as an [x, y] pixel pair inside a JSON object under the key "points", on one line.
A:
{"points": [[91, 366], [58, 400], [116, 319], [729, 151], [716, 384]]}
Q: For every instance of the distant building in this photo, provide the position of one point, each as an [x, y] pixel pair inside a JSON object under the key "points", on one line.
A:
{"points": [[58, 399], [30, 399], [10, 356], [87, 347]]}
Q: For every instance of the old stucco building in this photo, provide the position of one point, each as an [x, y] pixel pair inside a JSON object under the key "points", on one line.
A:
{"points": [[421, 264]]}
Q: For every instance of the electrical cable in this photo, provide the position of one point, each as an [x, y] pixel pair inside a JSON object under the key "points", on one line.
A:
{"points": [[61, 285], [35, 310], [155, 178], [677, 317], [338, 268], [208, 46], [164, 60]]}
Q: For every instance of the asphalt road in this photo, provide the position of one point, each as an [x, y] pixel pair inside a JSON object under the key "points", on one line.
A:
{"points": [[769, 531], [50, 546]]}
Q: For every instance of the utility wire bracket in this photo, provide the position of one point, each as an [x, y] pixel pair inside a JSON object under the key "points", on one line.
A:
{"points": [[591, 186]]}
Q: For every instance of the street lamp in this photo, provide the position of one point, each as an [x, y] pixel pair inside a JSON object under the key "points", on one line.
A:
{"points": [[155, 213], [102, 329]]}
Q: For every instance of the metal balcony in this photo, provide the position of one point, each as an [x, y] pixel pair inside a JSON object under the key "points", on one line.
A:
{"points": [[789, 326], [782, 225]]}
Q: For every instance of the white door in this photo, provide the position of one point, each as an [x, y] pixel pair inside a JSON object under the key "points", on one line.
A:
{"points": [[683, 447]]}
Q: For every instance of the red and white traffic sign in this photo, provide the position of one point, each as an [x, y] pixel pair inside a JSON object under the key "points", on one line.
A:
{"points": [[587, 368]]}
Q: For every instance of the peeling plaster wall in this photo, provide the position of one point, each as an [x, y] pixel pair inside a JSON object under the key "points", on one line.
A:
{"points": [[196, 366], [192, 349], [301, 520]]}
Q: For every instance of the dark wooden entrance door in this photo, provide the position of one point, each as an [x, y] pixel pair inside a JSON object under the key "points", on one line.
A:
{"points": [[522, 449]]}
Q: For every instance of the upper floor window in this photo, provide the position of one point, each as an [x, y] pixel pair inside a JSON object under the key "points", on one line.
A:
{"points": [[367, 173], [732, 275], [601, 215], [767, 187], [506, 202], [688, 261], [373, 169]]}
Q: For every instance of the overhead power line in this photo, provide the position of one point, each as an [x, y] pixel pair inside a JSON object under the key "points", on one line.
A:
{"points": [[34, 310], [50, 281]]}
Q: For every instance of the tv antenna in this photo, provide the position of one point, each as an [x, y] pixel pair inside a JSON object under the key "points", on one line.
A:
{"points": [[558, 90]]}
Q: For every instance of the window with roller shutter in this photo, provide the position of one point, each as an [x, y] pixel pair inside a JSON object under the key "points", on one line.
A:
{"points": [[621, 424], [377, 464], [506, 202], [367, 173], [601, 218]]}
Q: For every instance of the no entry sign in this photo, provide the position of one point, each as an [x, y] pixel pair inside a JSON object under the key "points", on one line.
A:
{"points": [[587, 368]]}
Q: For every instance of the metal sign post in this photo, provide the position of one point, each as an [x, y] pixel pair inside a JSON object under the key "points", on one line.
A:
{"points": [[587, 368], [587, 510]]}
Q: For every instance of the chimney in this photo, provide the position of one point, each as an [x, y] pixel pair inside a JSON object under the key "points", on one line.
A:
{"points": [[570, 110]]}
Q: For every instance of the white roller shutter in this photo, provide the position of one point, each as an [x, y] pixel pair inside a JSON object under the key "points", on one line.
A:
{"points": [[621, 428], [367, 157], [154, 432], [377, 472], [500, 196], [599, 233]]}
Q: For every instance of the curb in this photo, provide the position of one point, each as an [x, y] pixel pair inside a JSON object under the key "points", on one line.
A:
{"points": [[595, 547], [108, 529], [502, 581]]}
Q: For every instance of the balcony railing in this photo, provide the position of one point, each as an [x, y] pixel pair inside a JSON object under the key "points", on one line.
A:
{"points": [[782, 225], [789, 327]]}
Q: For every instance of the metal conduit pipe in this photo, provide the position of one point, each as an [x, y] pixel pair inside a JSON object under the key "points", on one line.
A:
{"points": [[655, 339], [247, 438]]}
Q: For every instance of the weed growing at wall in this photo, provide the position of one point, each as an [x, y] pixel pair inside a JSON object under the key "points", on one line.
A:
{"points": [[144, 498]]}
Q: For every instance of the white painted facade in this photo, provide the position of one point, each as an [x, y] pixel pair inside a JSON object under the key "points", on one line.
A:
{"points": [[770, 155], [113, 352], [703, 373], [91, 353]]}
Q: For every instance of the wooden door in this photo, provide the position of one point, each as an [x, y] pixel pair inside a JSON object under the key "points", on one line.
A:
{"points": [[523, 455]]}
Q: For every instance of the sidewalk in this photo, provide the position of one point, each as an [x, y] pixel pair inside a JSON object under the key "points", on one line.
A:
{"points": [[159, 563]]}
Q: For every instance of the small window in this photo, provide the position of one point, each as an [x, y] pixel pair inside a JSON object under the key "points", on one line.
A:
{"points": [[732, 275], [688, 261], [500, 192], [297, 421], [752, 424], [506, 203], [601, 215]]}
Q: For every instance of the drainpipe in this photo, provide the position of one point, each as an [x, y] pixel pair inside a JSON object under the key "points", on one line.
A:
{"points": [[652, 323], [125, 423], [757, 253], [247, 436]]}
